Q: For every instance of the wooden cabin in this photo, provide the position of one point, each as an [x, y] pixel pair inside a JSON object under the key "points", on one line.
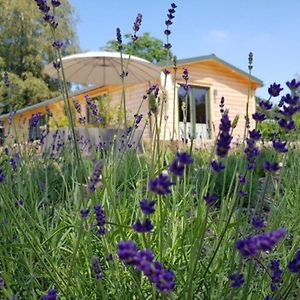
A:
{"points": [[210, 78]]}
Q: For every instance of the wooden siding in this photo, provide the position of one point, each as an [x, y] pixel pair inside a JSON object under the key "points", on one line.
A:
{"points": [[221, 82], [220, 79], [134, 98]]}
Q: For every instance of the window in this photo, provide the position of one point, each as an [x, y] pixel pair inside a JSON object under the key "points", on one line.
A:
{"points": [[195, 97]]}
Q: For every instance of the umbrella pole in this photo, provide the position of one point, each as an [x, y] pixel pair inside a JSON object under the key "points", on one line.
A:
{"points": [[123, 103]]}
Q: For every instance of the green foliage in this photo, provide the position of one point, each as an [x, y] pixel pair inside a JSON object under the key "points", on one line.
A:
{"points": [[26, 46], [110, 114], [146, 46]]}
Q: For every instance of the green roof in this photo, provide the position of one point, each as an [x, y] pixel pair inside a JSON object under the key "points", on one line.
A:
{"points": [[210, 57]]}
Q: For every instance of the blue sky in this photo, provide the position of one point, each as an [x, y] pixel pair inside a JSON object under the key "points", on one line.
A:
{"points": [[228, 28]]}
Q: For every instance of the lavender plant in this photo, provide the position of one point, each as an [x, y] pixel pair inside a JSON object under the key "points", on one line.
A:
{"points": [[137, 228]]}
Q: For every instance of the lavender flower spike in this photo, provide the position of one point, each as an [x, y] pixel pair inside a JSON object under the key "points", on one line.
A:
{"points": [[142, 227], [293, 84], [224, 140], [237, 279], [294, 264], [147, 206], [2, 283], [127, 251], [96, 268], [100, 218], [136, 26], [161, 184], [274, 90], [253, 245], [51, 295]]}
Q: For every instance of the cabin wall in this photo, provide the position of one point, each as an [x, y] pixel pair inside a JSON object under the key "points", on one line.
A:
{"points": [[221, 83], [18, 130]]}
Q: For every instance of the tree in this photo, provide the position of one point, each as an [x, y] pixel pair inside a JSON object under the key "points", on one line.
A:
{"points": [[26, 46], [146, 46]]}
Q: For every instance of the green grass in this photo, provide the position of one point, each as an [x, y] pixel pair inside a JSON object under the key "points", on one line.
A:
{"points": [[46, 244]]}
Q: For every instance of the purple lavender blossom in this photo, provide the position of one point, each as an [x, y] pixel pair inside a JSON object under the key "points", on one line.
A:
{"points": [[224, 139], [290, 100], [288, 125], [243, 193], [55, 3], [210, 199], [276, 275], [56, 64], [162, 278], [136, 26], [100, 218], [253, 245], [184, 158], [293, 84], [96, 267], [144, 259], [267, 105], [242, 179], [288, 111], [166, 72], [142, 227], [153, 89], [48, 18], [217, 166], [168, 23], [259, 116], [237, 279], [2, 283], [42, 5], [2, 175], [57, 44], [280, 146], [251, 152], [51, 295], [167, 32], [91, 105], [35, 118], [119, 39], [161, 184], [222, 104], [95, 177], [294, 264], [274, 90], [176, 168], [147, 206], [271, 167], [185, 74], [258, 222], [19, 203], [84, 213], [127, 252], [138, 118]]}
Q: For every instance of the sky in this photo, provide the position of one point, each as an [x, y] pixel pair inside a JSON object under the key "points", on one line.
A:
{"points": [[228, 28]]}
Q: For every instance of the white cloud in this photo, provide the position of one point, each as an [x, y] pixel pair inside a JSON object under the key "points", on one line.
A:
{"points": [[218, 34]]}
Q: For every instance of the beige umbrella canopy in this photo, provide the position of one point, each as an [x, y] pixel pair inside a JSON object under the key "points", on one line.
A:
{"points": [[104, 68]]}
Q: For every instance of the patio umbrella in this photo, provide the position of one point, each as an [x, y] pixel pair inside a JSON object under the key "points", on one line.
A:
{"points": [[103, 68]]}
